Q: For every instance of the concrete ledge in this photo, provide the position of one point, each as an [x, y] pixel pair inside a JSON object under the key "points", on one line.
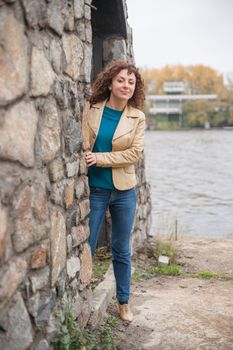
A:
{"points": [[102, 295]]}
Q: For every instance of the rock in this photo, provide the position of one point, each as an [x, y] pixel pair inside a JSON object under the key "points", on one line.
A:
{"points": [[39, 279], [79, 235], [86, 65], [57, 14], [163, 260], [56, 55], [27, 230], [35, 12], [19, 329], [77, 304], [17, 133], [84, 209], [12, 275], [69, 194], [50, 131], [73, 49], [42, 345], [80, 188], [73, 136], [72, 168], [42, 74], [73, 266], [58, 244], [14, 71], [78, 9], [38, 257], [80, 29], [86, 266], [114, 49], [3, 232], [56, 170], [57, 192]]}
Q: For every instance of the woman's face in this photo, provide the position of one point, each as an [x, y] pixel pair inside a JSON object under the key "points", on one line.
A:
{"points": [[123, 85]]}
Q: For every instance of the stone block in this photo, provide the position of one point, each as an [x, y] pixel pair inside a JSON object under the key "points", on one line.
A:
{"points": [[56, 170], [102, 296], [35, 12], [77, 304], [3, 232], [57, 192], [86, 65], [73, 266], [50, 132], [69, 194], [73, 136], [56, 55], [12, 275], [87, 10], [88, 31], [58, 244], [42, 345], [14, 65], [38, 257], [17, 133], [39, 279], [163, 260], [86, 266], [80, 29], [84, 209], [27, 229], [42, 74], [114, 49], [86, 309], [80, 188], [73, 49], [78, 9], [18, 335], [83, 165], [79, 235], [72, 168], [57, 13], [69, 25]]}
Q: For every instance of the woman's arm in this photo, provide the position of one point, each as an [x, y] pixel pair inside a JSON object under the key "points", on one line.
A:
{"points": [[118, 159]]}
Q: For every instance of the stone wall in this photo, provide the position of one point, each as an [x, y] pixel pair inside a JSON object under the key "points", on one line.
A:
{"points": [[45, 69]]}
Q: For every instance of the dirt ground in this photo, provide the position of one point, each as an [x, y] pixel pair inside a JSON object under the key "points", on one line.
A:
{"points": [[183, 313]]}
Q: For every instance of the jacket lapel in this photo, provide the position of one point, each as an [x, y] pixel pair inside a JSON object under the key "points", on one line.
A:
{"points": [[96, 115], [126, 123]]}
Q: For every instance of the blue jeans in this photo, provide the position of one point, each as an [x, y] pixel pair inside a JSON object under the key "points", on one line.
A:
{"points": [[122, 206]]}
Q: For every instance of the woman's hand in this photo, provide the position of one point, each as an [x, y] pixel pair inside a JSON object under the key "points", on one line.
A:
{"points": [[90, 158]]}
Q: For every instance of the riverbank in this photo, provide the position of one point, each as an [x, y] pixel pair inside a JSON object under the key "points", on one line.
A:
{"points": [[183, 312]]}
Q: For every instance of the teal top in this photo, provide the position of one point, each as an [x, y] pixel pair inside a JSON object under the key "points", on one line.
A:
{"points": [[102, 177]]}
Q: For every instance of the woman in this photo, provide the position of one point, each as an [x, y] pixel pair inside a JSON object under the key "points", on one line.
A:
{"points": [[113, 129]]}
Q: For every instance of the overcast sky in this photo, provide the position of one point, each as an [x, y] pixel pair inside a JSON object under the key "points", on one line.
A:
{"points": [[182, 32]]}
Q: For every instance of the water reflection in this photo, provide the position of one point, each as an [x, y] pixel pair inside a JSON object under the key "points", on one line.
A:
{"points": [[191, 176]]}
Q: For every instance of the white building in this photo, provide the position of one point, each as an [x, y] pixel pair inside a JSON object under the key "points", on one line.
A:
{"points": [[171, 103]]}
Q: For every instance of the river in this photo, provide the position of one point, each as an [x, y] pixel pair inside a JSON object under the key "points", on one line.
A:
{"points": [[191, 178]]}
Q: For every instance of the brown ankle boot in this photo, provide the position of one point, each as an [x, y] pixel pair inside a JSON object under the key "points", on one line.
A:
{"points": [[125, 312]]}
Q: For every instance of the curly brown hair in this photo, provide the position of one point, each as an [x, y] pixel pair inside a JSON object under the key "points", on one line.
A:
{"points": [[100, 88]]}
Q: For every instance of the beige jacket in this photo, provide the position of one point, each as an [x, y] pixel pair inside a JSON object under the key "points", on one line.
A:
{"points": [[127, 143]]}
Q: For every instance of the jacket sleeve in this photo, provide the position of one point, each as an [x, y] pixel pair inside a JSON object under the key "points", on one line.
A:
{"points": [[118, 159]]}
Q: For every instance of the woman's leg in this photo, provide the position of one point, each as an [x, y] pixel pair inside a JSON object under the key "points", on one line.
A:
{"points": [[122, 208], [99, 200]]}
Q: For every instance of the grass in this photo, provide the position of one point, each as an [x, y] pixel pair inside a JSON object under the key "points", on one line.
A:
{"points": [[70, 337], [170, 270], [101, 263], [165, 248]]}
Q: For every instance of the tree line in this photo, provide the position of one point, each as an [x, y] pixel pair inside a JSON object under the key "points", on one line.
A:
{"points": [[198, 79]]}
